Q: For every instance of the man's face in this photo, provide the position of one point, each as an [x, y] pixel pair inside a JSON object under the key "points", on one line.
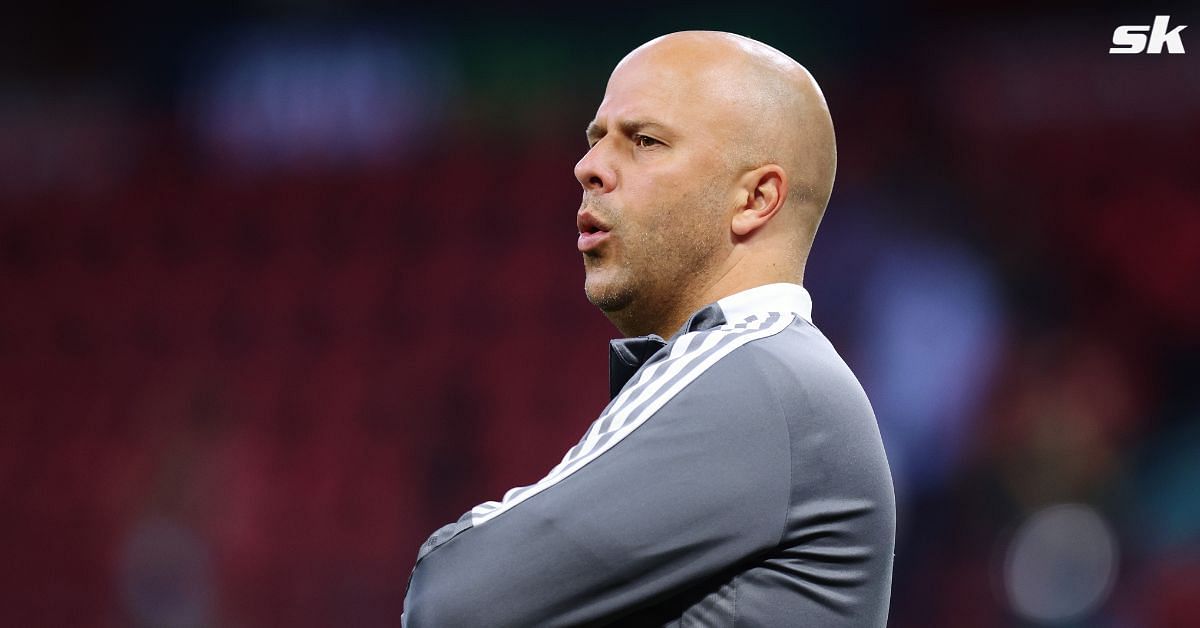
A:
{"points": [[656, 185]]}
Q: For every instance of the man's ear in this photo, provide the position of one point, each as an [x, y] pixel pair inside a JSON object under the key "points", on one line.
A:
{"points": [[764, 191]]}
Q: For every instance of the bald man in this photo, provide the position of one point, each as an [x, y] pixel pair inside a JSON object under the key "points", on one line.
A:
{"points": [[737, 477]]}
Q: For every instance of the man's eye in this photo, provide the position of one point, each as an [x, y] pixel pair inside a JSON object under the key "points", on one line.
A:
{"points": [[644, 141]]}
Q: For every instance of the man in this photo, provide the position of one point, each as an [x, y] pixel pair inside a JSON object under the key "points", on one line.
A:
{"points": [[737, 477]]}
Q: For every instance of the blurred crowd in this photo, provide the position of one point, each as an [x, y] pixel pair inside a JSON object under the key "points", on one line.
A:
{"points": [[283, 293]]}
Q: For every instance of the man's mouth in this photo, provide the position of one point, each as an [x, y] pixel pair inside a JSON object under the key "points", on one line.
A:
{"points": [[592, 232]]}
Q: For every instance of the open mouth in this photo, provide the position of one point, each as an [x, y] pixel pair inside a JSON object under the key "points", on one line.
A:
{"points": [[591, 232], [589, 224]]}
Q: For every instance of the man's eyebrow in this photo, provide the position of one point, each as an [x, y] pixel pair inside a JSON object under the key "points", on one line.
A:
{"points": [[595, 131], [629, 127]]}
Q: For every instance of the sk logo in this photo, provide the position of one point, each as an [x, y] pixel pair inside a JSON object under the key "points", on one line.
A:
{"points": [[1129, 40]]}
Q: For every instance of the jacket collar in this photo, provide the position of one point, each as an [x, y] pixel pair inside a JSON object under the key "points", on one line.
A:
{"points": [[627, 355]]}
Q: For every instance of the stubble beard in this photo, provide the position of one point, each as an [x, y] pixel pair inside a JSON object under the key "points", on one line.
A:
{"points": [[657, 269]]}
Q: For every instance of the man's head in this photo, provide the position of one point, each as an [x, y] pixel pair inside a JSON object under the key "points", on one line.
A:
{"points": [[711, 161]]}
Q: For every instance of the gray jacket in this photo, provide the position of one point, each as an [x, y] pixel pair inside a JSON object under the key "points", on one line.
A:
{"points": [[737, 478]]}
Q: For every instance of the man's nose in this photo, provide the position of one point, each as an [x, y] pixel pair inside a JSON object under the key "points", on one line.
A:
{"points": [[594, 171]]}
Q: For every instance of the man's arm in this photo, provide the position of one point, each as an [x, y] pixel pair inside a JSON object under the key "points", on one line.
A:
{"points": [[702, 484], [759, 491]]}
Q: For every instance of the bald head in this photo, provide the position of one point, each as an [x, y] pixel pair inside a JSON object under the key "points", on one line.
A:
{"points": [[772, 109], [710, 162]]}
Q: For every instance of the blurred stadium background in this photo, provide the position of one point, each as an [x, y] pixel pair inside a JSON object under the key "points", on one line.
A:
{"points": [[286, 286]]}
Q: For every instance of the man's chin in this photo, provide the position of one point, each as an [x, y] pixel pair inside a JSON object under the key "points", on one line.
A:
{"points": [[606, 296]]}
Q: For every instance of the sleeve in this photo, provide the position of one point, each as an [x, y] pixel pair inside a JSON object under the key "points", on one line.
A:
{"points": [[701, 484]]}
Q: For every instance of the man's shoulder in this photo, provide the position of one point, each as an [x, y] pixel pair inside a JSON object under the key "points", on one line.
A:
{"points": [[757, 370], [793, 369], [784, 348], [799, 355]]}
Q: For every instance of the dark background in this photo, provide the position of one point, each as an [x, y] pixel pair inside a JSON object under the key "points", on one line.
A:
{"points": [[288, 286]]}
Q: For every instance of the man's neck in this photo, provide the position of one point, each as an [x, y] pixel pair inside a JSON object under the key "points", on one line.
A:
{"points": [[672, 317], [632, 321], [663, 317]]}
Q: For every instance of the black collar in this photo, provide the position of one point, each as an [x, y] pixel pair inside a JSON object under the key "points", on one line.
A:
{"points": [[627, 355]]}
